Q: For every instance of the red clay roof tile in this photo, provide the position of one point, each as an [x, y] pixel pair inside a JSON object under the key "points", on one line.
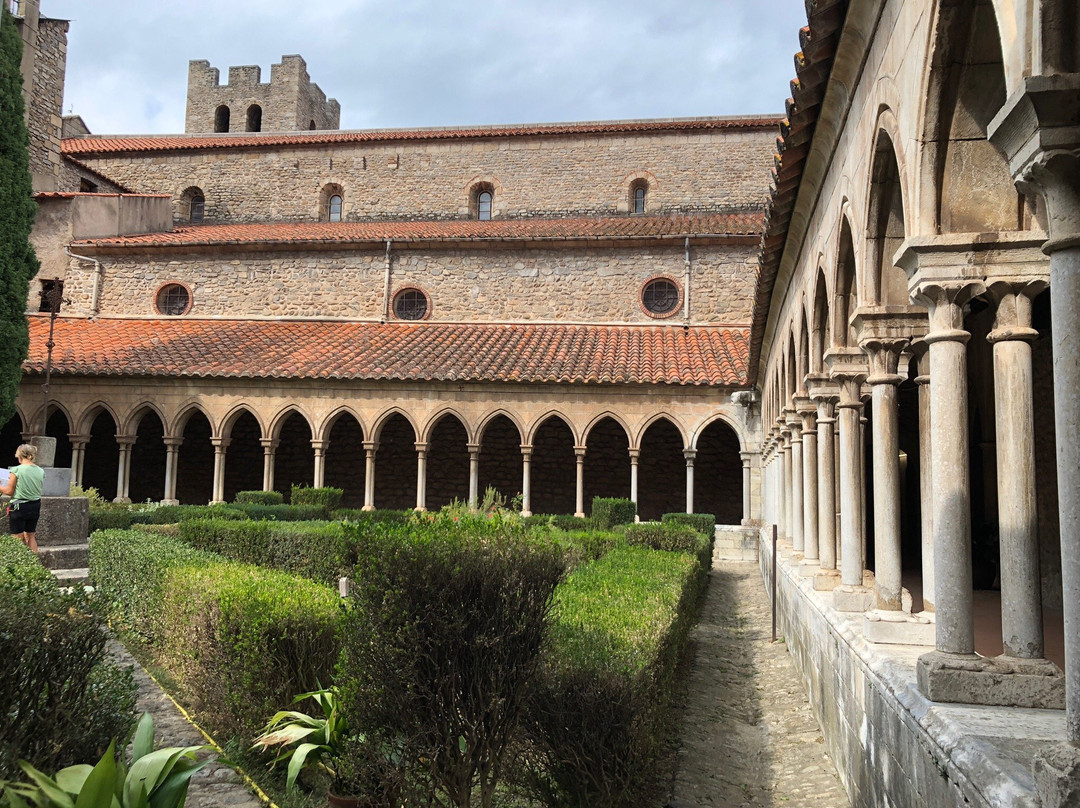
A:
{"points": [[593, 354]]}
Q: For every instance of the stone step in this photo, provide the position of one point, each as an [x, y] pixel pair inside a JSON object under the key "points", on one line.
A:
{"points": [[67, 556], [79, 576]]}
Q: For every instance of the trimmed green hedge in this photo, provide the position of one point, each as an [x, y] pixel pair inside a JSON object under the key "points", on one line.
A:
{"points": [[328, 498], [259, 498], [564, 521], [172, 514], [608, 512], [377, 515], [316, 550], [283, 513], [109, 517], [19, 565], [242, 641], [595, 717], [701, 522]]}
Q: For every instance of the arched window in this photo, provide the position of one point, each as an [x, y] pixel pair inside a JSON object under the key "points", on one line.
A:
{"points": [[311, 126], [639, 189], [333, 209], [483, 206], [254, 118], [482, 201], [221, 119], [332, 203], [192, 209]]}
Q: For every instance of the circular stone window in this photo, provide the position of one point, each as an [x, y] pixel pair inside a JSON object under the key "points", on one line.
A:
{"points": [[660, 297], [410, 304], [173, 299]]}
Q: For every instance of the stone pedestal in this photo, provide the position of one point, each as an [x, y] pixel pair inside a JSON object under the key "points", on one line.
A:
{"points": [[1004, 681], [64, 520], [847, 598], [826, 580], [898, 628], [1057, 778]]}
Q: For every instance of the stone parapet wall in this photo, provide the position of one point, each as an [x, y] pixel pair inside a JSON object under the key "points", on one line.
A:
{"points": [[891, 745], [531, 175], [544, 283]]}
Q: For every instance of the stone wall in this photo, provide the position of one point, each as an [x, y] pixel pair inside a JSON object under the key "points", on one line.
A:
{"points": [[46, 102], [532, 175], [289, 101], [499, 283]]}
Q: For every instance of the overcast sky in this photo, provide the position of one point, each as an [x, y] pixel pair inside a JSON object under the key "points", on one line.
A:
{"points": [[402, 63]]}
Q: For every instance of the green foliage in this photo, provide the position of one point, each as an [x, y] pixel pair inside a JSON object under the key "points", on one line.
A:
{"points": [[19, 565], [129, 569], [316, 550], [565, 521], [107, 516], [441, 644], [62, 700], [242, 640], [259, 498], [537, 520], [110, 784], [378, 515], [18, 264], [702, 522], [328, 498], [283, 513], [669, 536], [172, 514], [582, 546], [608, 512], [305, 740], [595, 715]]}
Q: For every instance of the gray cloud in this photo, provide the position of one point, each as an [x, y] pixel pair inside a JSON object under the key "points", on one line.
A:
{"points": [[440, 62]]}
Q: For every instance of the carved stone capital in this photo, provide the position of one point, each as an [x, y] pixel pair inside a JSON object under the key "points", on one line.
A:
{"points": [[1012, 318]]}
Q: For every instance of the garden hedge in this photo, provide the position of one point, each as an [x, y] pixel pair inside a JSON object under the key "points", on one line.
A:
{"points": [[701, 522], [608, 512], [259, 498], [329, 498]]}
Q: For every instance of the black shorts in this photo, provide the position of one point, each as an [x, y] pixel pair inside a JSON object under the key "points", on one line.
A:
{"points": [[24, 519]]}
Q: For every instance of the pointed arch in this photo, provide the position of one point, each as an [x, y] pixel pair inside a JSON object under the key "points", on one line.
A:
{"points": [[383, 417], [886, 226], [346, 467], [718, 472], [146, 481], [433, 421], [542, 419], [607, 459], [845, 289], [447, 438], [819, 323], [487, 418], [661, 467], [137, 413], [330, 421], [499, 436], [727, 420], [554, 471], [660, 416], [606, 414], [91, 412], [228, 421], [180, 421], [245, 454], [283, 415]]}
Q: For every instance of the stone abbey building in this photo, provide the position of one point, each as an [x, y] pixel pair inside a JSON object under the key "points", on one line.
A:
{"points": [[875, 352]]}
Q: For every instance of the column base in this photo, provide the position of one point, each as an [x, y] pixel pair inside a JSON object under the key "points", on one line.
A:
{"points": [[898, 628], [578, 514], [170, 502], [212, 502], [826, 580], [526, 514], [808, 568], [847, 598], [1057, 778], [1001, 681], [417, 509], [368, 508], [122, 500]]}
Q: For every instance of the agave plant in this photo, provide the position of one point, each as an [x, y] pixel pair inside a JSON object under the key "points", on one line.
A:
{"points": [[302, 739], [156, 778]]}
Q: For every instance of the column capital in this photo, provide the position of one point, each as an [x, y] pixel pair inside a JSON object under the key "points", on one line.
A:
{"points": [[809, 420], [635, 455], [1012, 317], [848, 369], [689, 454], [371, 445], [420, 447], [526, 450], [173, 440], [579, 452], [320, 445], [474, 448], [824, 393], [126, 441], [269, 444], [747, 457], [884, 355], [1038, 130], [220, 444]]}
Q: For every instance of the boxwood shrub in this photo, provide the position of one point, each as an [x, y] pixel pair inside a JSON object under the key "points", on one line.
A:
{"points": [[283, 513], [377, 515], [107, 516], [328, 498], [608, 512], [242, 641], [19, 565], [259, 498], [171, 514], [595, 714], [674, 537], [565, 521], [701, 522]]}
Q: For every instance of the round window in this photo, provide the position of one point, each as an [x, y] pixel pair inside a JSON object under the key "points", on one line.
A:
{"points": [[660, 296], [173, 299], [410, 304]]}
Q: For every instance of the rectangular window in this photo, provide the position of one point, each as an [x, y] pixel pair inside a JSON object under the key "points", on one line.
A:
{"points": [[87, 187], [52, 295]]}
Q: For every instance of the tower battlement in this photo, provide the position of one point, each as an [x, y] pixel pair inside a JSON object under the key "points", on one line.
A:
{"points": [[289, 102]]}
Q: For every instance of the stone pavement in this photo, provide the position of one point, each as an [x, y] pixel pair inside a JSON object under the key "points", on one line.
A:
{"points": [[748, 737], [214, 786]]}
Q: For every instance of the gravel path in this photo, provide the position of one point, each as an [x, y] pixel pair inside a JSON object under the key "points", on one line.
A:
{"points": [[748, 737], [214, 786]]}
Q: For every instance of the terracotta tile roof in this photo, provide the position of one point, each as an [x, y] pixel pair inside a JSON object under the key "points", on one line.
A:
{"points": [[813, 66], [108, 144], [592, 354], [616, 227]]}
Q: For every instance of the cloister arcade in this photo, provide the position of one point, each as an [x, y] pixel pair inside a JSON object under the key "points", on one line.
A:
{"points": [[393, 455]]}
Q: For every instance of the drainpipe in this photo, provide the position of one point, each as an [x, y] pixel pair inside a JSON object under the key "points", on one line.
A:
{"points": [[95, 292], [386, 285], [686, 285]]}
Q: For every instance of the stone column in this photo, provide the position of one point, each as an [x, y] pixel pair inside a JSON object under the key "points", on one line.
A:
{"points": [[474, 475], [796, 509], [421, 476], [526, 479], [635, 455], [884, 381], [370, 447], [172, 461], [785, 482], [1018, 519], [825, 397], [745, 457], [78, 456], [689, 454], [811, 557], [926, 475], [836, 479], [269, 451], [319, 448], [123, 471], [220, 445], [579, 499]]}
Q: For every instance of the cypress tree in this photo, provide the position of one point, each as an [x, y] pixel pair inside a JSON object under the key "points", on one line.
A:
{"points": [[18, 264]]}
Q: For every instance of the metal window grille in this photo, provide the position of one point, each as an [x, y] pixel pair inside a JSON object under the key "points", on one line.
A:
{"points": [[173, 300], [410, 304], [660, 296]]}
